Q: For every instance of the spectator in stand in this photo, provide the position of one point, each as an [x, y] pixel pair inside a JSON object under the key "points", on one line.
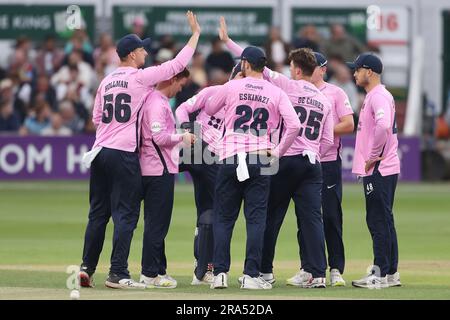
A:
{"points": [[82, 35], [43, 87], [344, 80], [76, 78], [70, 118], [105, 56], [49, 57], [77, 43], [22, 68], [197, 70], [341, 43], [56, 127], [38, 119], [8, 92], [308, 37], [9, 122], [219, 58], [163, 55], [277, 50], [139, 27]]}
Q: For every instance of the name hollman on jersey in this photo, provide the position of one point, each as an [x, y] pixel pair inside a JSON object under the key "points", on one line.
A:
{"points": [[116, 83]]}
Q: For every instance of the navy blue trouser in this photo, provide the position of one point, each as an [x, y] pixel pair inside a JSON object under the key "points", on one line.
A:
{"points": [[229, 195], [115, 190], [301, 181], [204, 179], [332, 213], [379, 192], [158, 204]]}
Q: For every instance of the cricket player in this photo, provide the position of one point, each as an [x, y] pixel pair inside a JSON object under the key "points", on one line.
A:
{"points": [[159, 164], [300, 175], [253, 110], [115, 181], [332, 171], [377, 162], [203, 169]]}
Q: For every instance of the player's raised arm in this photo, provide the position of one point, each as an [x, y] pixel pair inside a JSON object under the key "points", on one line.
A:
{"points": [[292, 125], [276, 78], [152, 75], [217, 101], [193, 104]]}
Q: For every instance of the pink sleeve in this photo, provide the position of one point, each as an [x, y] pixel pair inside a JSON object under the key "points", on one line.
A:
{"points": [[183, 110], [152, 75], [234, 47], [158, 126], [383, 123], [191, 105], [277, 79], [343, 106], [327, 139], [217, 100], [292, 125], [97, 111]]}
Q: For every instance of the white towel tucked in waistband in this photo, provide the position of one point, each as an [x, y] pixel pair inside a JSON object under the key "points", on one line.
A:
{"points": [[311, 156], [89, 156], [242, 169]]}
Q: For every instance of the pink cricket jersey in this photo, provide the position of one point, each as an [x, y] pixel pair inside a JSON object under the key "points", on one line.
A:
{"points": [[212, 129], [377, 134], [254, 110], [340, 107], [312, 107], [119, 100], [159, 137]]}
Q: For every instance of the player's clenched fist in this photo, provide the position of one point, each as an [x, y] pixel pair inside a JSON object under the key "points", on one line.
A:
{"points": [[188, 138]]}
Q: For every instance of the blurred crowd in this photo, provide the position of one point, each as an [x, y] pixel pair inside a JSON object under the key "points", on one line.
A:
{"points": [[48, 87]]}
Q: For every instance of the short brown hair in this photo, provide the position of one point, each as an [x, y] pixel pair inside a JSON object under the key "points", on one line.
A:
{"points": [[183, 74], [304, 59], [257, 67]]}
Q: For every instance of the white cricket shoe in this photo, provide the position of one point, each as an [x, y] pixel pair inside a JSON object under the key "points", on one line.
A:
{"points": [[299, 279], [256, 283], [115, 282], [336, 279], [371, 281], [159, 282], [207, 279], [313, 283], [268, 277], [394, 280], [220, 281]]}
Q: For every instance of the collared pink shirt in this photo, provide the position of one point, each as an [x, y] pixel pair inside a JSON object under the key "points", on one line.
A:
{"points": [[120, 97], [160, 141], [377, 134], [340, 107]]}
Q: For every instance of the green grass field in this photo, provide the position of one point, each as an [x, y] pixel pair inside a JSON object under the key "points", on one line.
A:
{"points": [[42, 227]]}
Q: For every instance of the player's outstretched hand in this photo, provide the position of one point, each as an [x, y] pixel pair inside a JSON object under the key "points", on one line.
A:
{"points": [[223, 30], [193, 23], [188, 138]]}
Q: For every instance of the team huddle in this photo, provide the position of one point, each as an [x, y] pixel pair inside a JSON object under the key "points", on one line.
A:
{"points": [[262, 139]]}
